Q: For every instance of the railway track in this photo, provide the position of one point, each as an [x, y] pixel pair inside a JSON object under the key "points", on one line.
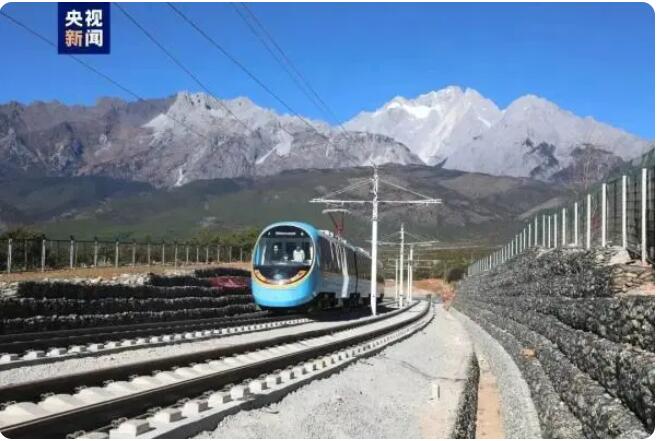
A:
{"points": [[59, 406], [27, 349], [96, 342]]}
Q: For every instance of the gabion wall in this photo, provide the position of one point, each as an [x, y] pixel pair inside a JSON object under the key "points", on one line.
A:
{"points": [[584, 346]]}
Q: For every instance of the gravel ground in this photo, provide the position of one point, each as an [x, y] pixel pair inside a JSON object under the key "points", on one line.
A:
{"points": [[88, 363], [384, 396], [518, 411]]}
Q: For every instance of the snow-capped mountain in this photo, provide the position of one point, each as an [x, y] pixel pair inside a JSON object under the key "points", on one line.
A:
{"points": [[434, 125], [462, 130], [191, 136], [178, 140]]}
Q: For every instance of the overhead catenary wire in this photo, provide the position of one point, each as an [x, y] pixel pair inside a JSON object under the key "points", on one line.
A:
{"points": [[178, 63], [281, 57], [244, 69], [95, 70]]}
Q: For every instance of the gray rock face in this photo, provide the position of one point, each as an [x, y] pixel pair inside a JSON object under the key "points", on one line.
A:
{"points": [[532, 137], [177, 140]]}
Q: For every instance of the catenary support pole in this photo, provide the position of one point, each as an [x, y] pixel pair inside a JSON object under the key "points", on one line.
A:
{"points": [[644, 214], [588, 221], [543, 231], [624, 212], [401, 266], [556, 230], [397, 279], [603, 216], [375, 238]]}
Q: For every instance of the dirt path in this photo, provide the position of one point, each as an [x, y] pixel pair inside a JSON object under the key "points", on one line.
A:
{"points": [[489, 416]]}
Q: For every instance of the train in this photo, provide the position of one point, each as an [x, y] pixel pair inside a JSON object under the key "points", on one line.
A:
{"points": [[296, 266]]}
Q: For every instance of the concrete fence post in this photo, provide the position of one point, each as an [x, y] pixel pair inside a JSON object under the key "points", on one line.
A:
{"points": [[624, 212], [197, 258], [43, 255], [241, 254], [163, 254], [588, 221], [9, 249], [175, 254], [563, 227], [116, 254], [556, 230], [186, 254], [535, 231], [148, 253], [575, 225], [549, 231], [71, 252], [230, 253], [207, 255], [530, 235], [95, 252], [644, 214], [543, 232], [134, 253], [603, 215], [218, 253]]}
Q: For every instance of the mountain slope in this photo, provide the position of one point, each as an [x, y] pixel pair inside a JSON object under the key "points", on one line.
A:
{"points": [[476, 207], [177, 140], [434, 125], [532, 137]]}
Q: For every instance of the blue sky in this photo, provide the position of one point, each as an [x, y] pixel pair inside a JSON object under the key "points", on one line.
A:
{"points": [[592, 59]]}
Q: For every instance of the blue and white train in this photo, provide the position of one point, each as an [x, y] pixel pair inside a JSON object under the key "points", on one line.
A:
{"points": [[296, 266]]}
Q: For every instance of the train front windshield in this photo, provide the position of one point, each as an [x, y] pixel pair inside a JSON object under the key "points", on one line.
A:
{"points": [[283, 252]]}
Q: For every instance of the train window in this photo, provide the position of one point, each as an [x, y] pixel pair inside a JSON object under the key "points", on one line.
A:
{"points": [[284, 246]]}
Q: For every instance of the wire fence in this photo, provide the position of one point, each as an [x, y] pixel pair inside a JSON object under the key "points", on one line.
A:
{"points": [[619, 213], [21, 255]]}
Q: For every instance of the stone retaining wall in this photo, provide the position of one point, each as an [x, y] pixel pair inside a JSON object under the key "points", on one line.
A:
{"points": [[583, 339]]}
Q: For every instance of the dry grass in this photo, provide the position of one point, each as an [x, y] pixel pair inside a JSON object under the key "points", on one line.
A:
{"points": [[109, 272]]}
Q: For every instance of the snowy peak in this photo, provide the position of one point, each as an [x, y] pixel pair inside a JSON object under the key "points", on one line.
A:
{"points": [[459, 128], [433, 124]]}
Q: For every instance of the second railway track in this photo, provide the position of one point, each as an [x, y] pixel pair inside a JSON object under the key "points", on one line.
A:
{"points": [[59, 406]]}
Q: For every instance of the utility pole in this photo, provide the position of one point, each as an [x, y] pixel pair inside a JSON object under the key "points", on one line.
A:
{"points": [[401, 267], [409, 294], [375, 237], [375, 181]]}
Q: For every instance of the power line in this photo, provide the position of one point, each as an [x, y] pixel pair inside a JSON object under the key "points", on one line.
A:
{"points": [[94, 70], [178, 63], [243, 68], [284, 61]]}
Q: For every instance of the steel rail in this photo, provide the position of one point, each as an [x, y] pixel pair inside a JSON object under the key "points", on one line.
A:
{"points": [[15, 343], [33, 390], [92, 416]]}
